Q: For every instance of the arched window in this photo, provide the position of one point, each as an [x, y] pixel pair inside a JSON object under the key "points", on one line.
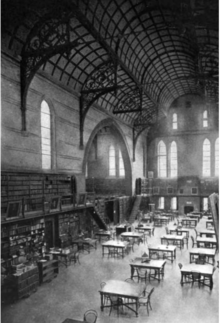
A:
{"points": [[174, 121], [162, 159], [161, 203], [173, 203], [205, 204], [206, 169], [45, 135], [217, 157], [121, 165], [205, 119], [173, 160], [112, 168]]}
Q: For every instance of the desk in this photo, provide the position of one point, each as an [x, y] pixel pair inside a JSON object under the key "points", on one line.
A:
{"points": [[174, 239], [87, 242], [210, 253], [103, 234], [63, 258], [207, 232], [114, 244], [146, 228], [130, 292], [174, 229], [122, 228], [188, 222], [193, 216], [47, 270], [163, 249], [161, 220], [204, 270], [157, 265], [209, 242], [134, 235]]}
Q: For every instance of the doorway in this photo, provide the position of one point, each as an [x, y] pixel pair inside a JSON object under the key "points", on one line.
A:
{"points": [[188, 209]]}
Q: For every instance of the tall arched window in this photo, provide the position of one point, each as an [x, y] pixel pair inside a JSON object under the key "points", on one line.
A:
{"points": [[162, 159], [217, 157], [206, 169], [174, 121], [173, 160], [112, 166], [205, 119], [161, 203], [45, 135], [173, 203], [121, 165]]}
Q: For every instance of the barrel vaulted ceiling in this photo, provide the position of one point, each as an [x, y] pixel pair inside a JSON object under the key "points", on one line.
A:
{"points": [[130, 57]]}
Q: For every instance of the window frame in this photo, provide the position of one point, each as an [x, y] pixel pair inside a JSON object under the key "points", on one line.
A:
{"points": [[174, 121], [161, 203], [113, 157], [160, 158], [43, 126], [205, 122], [206, 158], [173, 157], [217, 157]]}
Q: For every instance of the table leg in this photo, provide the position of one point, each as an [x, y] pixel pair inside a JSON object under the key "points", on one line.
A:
{"points": [[102, 302], [181, 282]]}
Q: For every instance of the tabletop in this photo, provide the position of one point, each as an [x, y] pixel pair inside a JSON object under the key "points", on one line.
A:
{"points": [[206, 231], [133, 234], [103, 233], [206, 251], [201, 239], [172, 237], [144, 227], [119, 287], [175, 228], [203, 269], [150, 264], [114, 243], [162, 247]]}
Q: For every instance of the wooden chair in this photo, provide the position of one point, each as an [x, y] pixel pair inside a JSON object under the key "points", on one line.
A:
{"points": [[116, 303], [90, 316], [194, 243], [201, 260], [206, 280], [74, 257], [196, 277], [142, 274], [146, 301]]}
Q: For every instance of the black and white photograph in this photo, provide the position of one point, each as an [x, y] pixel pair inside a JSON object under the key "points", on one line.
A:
{"points": [[109, 161]]}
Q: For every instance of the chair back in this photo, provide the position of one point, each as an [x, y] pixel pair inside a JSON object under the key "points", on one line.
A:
{"points": [[213, 270], [192, 240], [195, 275], [90, 316], [102, 284], [180, 266]]}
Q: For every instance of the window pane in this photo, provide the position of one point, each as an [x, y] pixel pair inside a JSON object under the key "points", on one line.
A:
{"points": [[206, 171], [161, 203], [162, 160], [205, 204], [173, 203], [205, 119], [217, 157], [121, 165], [173, 160], [112, 169], [45, 135], [174, 123]]}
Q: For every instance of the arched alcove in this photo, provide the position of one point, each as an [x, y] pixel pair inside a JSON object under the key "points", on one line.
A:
{"points": [[107, 133]]}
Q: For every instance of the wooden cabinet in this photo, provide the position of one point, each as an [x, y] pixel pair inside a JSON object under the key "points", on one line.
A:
{"points": [[48, 270], [25, 283]]}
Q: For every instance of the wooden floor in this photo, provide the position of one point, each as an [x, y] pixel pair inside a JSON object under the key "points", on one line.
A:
{"points": [[76, 289]]}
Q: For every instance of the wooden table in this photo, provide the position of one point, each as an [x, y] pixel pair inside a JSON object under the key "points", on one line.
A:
{"points": [[194, 216], [163, 249], [149, 229], [157, 265], [209, 253], [174, 239], [161, 220], [206, 232], [134, 235], [204, 270], [101, 234], [62, 257], [174, 229], [188, 222], [87, 243], [206, 241], [114, 244], [131, 292]]}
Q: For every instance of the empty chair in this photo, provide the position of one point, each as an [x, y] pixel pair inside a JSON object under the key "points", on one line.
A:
{"points": [[142, 274], [196, 277], [154, 255], [74, 257], [207, 280], [196, 233], [186, 241], [201, 260], [106, 297], [146, 301], [153, 231], [130, 246], [180, 266], [116, 303], [90, 316], [167, 230]]}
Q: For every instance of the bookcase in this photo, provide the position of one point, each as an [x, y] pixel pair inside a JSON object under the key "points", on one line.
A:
{"points": [[47, 270]]}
